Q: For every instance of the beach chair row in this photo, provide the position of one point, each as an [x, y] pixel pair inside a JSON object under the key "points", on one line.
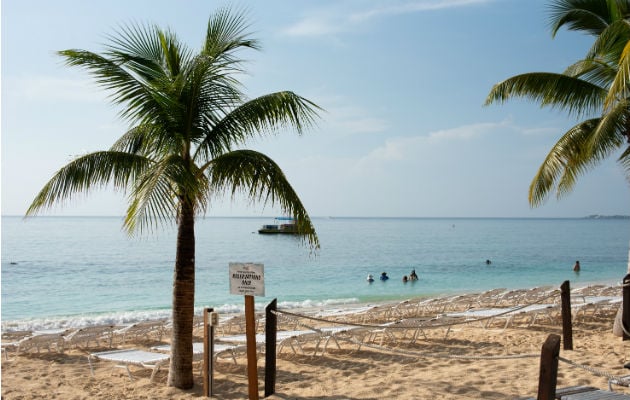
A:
{"points": [[91, 336]]}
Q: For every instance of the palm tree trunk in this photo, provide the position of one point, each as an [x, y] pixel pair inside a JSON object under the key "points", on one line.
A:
{"points": [[181, 371]]}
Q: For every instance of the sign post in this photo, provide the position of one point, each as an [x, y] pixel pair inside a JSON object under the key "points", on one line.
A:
{"points": [[248, 279]]}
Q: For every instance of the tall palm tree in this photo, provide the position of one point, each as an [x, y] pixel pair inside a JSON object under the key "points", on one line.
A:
{"points": [[595, 86], [189, 120]]}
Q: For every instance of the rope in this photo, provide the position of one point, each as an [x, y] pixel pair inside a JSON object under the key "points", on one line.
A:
{"points": [[595, 371], [435, 355], [421, 325]]}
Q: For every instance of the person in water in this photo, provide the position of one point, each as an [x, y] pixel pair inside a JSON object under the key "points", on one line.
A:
{"points": [[370, 278], [576, 267], [405, 279], [413, 276], [488, 262], [384, 276]]}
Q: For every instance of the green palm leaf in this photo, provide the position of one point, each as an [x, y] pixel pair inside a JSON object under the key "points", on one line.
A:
{"points": [[573, 95], [260, 179], [94, 170]]}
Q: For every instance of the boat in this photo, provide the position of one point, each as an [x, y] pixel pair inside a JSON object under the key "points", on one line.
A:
{"points": [[282, 225]]}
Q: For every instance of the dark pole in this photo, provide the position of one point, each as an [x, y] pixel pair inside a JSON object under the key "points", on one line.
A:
{"points": [[625, 316], [271, 326], [207, 353], [567, 327], [549, 368]]}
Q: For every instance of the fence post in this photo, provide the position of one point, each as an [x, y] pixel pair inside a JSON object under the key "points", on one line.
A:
{"points": [[208, 349], [548, 376], [625, 316], [567, 327], [271, 327]]}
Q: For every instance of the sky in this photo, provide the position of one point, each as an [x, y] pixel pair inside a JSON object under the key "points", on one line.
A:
{"points": [[404, 131]]}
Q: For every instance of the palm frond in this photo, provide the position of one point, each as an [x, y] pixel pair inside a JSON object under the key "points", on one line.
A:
{"points": [[610, 133], [576, 96], [562, 164], [226, 33], [264, 114], [261, 180], [155, 195], [610, 43], [595, 71], [624, 160], [620, 87], [591, 16], [94, 170]]}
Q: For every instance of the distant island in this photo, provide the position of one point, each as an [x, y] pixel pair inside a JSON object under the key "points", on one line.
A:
{"points": [[597, 216]]}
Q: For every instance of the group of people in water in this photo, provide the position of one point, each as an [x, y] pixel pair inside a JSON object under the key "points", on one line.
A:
{"points": [[412, 277]]}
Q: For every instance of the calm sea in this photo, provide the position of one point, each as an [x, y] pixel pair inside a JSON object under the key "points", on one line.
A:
{"points": [[72, 271]]}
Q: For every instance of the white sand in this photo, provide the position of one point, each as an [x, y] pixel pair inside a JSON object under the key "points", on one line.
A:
{"points": [[426, 369]]}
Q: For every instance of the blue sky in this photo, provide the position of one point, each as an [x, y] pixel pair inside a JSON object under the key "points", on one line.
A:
{"points": [[403, 83]]}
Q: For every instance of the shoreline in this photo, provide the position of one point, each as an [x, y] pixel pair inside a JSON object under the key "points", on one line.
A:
{"points": [[308, 306], [469, 362]]}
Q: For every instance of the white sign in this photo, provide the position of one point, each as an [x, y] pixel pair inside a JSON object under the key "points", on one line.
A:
{"points": [[247, 279]]}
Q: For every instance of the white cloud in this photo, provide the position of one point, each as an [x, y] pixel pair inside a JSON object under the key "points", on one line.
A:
{"points": [[52, 89], [413, 7], [346, 118], [332, 21], [467, 132]]}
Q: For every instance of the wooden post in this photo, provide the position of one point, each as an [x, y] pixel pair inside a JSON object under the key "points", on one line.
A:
{"points": [[625, 316], [250, 333], [207, 352], [549, 368], [271, 326], [567, 327]]}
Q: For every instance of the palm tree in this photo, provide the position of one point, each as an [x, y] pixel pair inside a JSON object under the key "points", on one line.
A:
{"points": [[596, 85], [189, 120]]}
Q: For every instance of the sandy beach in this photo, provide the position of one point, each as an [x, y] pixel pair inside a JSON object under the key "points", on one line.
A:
{"points": [[471, 362]]}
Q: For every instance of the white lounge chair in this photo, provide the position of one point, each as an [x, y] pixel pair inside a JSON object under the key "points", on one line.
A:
{"points": [[125, 358], [283, 339], [144, 330], [220, 350], [43, 341], [96, 334], [11, 339]]}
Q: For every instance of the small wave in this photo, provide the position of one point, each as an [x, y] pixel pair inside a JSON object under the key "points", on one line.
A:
{"points": [[130, 317]]}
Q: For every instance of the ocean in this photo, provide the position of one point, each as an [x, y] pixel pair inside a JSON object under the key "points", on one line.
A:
{"points": [[76, 271]]}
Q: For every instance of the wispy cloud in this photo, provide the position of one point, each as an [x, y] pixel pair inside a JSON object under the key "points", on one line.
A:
{"points": [[402, 148], [52, 89], [324, 22], [466, 132], [348, 118], [412, 7]]}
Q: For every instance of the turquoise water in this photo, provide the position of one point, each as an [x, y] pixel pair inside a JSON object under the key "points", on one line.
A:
{"points": [[79, 270]]}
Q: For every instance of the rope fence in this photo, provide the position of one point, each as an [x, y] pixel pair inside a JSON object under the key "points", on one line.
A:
{"points": [[421, 323]]}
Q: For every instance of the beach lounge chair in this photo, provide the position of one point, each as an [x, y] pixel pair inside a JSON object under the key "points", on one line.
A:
{"points": [[292, 339], [125, 358], [95, 334], [527, 315], [142, 330], [221, 350], [11, 339], [47, 341]]}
